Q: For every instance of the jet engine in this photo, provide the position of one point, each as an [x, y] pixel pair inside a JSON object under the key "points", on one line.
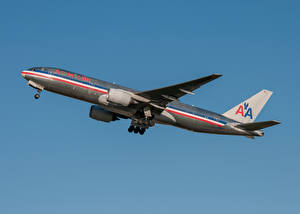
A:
{"points": [[117, 96], [100, 114]]}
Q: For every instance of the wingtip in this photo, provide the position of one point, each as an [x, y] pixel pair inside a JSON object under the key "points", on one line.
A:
{"points": [[217, 75], [277, 122]]}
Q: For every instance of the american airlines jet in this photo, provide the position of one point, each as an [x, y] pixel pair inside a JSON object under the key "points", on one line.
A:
{"points": [[113, 102]]}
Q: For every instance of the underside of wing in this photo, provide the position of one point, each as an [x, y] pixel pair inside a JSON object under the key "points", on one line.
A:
{"points": [[163, 96]]}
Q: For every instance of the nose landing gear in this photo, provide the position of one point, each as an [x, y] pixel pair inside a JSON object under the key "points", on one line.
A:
{"points": [[39, 88], [36, 96]]}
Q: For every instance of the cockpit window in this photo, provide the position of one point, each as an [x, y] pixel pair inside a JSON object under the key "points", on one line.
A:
{"points": [[35, 68]]}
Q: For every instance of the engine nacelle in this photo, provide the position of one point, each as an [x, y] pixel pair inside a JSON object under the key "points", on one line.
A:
{"points": [[100, 114], [117, 96]]}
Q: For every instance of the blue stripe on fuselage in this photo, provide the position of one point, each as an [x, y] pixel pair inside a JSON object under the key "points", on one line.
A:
{"points": [[70, 78]]}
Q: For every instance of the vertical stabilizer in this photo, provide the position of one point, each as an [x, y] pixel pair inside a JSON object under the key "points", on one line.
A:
{"points": [[247, 111]]}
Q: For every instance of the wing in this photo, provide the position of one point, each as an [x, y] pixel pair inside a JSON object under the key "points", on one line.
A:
{"points": [[258, 125], [163, 96]]}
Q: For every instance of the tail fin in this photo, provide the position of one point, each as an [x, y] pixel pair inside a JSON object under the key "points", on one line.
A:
{"points": [[247, 111]]}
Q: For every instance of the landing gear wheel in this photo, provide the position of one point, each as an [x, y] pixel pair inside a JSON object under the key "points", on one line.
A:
{"points": [[142, 131], [130, 129], [136, 130], [36, 96]]}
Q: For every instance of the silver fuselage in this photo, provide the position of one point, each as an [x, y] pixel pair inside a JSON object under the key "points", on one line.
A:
{"points": [[176, 114]]}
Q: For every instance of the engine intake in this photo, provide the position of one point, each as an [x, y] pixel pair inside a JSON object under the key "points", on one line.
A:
{"points": [[100, 114]]}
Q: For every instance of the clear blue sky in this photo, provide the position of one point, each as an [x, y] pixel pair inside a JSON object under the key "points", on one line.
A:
{"points": [[54, 159]]}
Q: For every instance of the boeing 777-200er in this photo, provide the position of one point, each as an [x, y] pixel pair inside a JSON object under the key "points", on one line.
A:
{"points": [[146, 108]]}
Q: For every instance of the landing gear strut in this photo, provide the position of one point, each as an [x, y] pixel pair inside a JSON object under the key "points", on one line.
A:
{"points": [[37, 95], [140, 125], [39, 88], [142, 120]]}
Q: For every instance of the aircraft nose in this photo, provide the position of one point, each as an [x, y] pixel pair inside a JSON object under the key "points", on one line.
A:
{"points": [[23, 73]]}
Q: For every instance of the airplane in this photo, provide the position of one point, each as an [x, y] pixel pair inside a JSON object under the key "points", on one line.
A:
{"points": [[112, 102]]}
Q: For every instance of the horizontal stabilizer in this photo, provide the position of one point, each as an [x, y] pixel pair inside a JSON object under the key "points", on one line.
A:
{"points": [[258, 125]]}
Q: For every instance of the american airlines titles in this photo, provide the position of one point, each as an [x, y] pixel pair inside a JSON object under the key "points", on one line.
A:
{"points": [[74, 76]]}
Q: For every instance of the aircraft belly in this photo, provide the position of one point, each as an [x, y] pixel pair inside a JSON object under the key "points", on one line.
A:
{"points": [[41, 81], [165, 118]]}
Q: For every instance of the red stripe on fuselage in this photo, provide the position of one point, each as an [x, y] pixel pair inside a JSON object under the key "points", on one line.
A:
{"points": [[38, 75], [64, 81], [193, 117]]}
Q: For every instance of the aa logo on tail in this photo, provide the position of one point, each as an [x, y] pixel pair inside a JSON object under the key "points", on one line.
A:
{"points": [[245, 111]]}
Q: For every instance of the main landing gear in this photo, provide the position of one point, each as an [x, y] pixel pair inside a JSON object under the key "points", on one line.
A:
{"points": [[136, 130], [140, 125]]}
